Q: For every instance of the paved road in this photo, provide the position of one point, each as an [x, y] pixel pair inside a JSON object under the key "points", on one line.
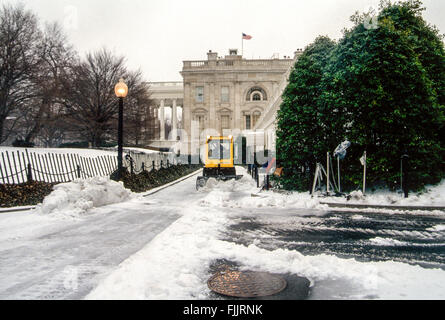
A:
{"points": [[411, 239], [43, 258], [366, 237]]}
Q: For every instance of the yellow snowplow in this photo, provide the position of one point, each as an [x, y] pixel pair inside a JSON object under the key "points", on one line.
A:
{"points": [[218, 161]]}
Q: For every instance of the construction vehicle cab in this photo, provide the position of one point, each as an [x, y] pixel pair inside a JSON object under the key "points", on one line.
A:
{"points": [[219, 162]]}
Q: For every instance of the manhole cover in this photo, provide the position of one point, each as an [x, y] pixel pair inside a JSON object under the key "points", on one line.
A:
{"points": [[248, 284]]}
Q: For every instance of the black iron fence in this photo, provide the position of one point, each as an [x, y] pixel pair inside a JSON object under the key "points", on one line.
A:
{"points": [[19, 166]]}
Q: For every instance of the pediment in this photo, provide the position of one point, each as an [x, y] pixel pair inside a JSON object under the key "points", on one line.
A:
{"points": [[199, 110], [224, 110]]}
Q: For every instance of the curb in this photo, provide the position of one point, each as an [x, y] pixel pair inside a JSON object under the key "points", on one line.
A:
{"points": [[148, 193], [379, 206], [6, 210]]}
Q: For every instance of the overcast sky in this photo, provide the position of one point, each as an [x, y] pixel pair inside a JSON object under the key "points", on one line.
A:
{"points": [[157, 35]]}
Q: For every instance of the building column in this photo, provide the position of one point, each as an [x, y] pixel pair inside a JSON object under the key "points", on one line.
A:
{"points": [[187, 117], [174, 121], [162, 120]]}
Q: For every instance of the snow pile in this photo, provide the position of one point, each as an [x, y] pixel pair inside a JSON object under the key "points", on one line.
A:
{"points": [[243, 193], [75, 198], [432, 196]]}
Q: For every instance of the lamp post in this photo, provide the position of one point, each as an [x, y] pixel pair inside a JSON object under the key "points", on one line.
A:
{"points": [[121, 91]]}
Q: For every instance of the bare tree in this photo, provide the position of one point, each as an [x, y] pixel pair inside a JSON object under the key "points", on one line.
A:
{"points": [[47, 91], [19, 39], [90, 100], [136, 111], [56, 57]]}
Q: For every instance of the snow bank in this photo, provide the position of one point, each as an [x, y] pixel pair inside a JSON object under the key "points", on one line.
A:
{"points": [[432, 196], [74, 199], [175, 265], [244, 194]]}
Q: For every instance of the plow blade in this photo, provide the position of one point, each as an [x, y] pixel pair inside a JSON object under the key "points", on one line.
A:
{"points": [[202, 181]]}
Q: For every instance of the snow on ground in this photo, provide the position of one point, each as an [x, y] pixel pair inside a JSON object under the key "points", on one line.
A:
{"points": [[61, 163], [75, 198], [80, 152], [175, 264], [438, 228], [43, 257], [147, 151], [164, 244], [432, 196], [244, 194]]}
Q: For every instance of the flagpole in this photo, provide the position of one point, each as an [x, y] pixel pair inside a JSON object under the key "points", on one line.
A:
{"points": [[242, 45]]}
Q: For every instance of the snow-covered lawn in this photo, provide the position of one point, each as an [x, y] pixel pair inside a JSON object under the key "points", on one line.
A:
{"points": [[432, 196], [175, 265], [60, 164], [80, 151]]}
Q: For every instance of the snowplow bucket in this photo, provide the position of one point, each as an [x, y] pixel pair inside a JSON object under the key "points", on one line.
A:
{"points": [[202, 181]]}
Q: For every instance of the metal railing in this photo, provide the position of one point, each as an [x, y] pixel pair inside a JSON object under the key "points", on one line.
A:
{"points": [[22, 166]]}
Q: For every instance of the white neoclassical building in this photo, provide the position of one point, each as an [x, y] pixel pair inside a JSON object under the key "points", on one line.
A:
{"points": [[220, 93]]}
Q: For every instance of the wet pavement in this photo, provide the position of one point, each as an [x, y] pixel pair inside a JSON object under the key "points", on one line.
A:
{"points": [[365, 237], [412, 239]]}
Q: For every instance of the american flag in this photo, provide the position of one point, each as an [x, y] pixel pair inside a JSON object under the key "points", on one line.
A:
{"points": [[246, 37]]}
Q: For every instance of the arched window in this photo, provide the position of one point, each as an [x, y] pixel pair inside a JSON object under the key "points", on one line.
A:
{"points": [[256, 94]]}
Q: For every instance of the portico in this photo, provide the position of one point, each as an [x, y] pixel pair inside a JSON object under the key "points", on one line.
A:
{"points": [[167, 101]]}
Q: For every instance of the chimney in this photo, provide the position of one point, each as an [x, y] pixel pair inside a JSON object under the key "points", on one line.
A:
{"points": [[212, 55]]}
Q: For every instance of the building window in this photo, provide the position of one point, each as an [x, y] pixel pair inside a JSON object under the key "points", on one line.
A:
{"points": [[225, 94], [199, 94], [248, 122], [256, 97], [200, 122], [256, 94], [225, 122]]}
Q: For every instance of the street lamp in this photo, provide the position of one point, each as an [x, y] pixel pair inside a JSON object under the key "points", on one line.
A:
{"points": [[121, 91]]}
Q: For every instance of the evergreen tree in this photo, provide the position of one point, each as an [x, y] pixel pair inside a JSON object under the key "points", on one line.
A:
{"points": [[301, 135], [388, 86], [383, 89]]}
